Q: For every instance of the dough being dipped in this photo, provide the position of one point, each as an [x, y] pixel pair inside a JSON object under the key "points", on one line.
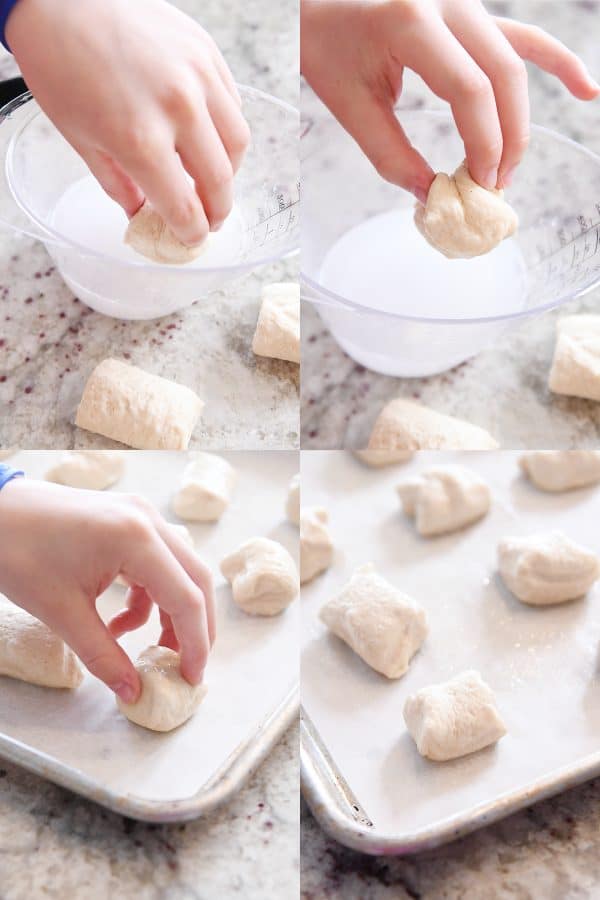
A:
{"points": [[444, 498], [93, 470], [461, 219], [545, 569], [576, 365], [206, 488], [263, 577], [31, 652], [380, 623], [277, 332], [377, 459], [454, 718], [167, 699], [561, 470], [406, 425], [149, 235], [292, 506], [316, 546], [135, 408]]}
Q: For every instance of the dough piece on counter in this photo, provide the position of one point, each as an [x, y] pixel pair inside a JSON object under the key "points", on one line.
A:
{"points": [[461, 219], [8, 451], [454, 718], [144, 411], [444, 498], [316, 546], [406, 425], [149, 235], [30, 651], [380, 623], [167, 699], [545, 569], [576, 364], [561, 470], [183, 533], [206, 488], [263, 577], [91, 469], [377, 459], [277, 333], [292, 506]]}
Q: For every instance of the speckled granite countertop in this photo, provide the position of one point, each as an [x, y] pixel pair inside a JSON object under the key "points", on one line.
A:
{"points": [[49, 342], [503, 389], [55, 845]]}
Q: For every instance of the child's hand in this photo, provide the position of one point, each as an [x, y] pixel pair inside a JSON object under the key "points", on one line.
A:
{"points": [[143, 94], [354, 53], [60, 548]]}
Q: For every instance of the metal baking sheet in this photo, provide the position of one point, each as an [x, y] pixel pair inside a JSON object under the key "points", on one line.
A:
{"points": [[80, 740], [361, 773]]}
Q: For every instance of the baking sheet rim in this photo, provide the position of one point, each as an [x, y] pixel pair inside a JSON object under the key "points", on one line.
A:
{"points": [[325, 799], [226, 782]]}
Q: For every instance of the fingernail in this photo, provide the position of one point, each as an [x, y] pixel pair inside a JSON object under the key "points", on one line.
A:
{"points": [[125, 691], [216, 226], [490, 179], [421, 194], [507, 178]]}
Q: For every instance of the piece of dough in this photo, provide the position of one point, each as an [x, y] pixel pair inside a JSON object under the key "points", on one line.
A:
{"points": [[292, 506], [183, 533], [544, 569], [206, 488], [461, 219], [277, 332], [444, 498], [316, 546], [167, 699], [144, 411], [9, 451], [576, 364], [263, 577], [91, 469], [30, 651], [561, 470], [380, 623], [454, 718], [377, 459], [406, 425], [149, 235]]}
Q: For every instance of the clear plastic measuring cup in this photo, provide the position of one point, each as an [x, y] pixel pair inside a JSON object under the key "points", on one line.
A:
{"points": [[47, 192], [397, 306]]}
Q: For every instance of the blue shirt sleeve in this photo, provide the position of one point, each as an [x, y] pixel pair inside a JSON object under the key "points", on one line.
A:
{"points": [[6, 7], [7, 474]]}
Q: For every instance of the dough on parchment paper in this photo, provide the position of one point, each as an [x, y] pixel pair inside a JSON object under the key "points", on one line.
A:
{"points": [[454, 718], [561, 470], [263, 577], [292, 506], [380, 623], [91, 469], [461, 219], [206, 488], [406, 425], [576, 365], [545, 569], [31, 652], [316, 546], [183, 533], [444, 498], [277, 332], [167, 699], [149, 235], [377, 459], [136, 408]]}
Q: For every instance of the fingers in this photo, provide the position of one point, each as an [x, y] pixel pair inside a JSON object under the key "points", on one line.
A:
{"points": [[374, 126], [230, 124], [168, 638], [452, 74], [115, 181], [98, 650], [551, 55], [205, 159], [136, 614], [506, 71]]}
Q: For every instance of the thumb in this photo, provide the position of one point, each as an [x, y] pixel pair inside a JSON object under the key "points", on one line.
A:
{"points": [[90, 639], [373, 124], [113, 179]]}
